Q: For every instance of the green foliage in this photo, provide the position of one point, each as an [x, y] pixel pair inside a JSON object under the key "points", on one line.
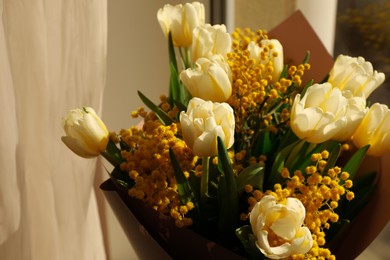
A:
{"points": [[227, 196], [248, 240], [164, 118]]}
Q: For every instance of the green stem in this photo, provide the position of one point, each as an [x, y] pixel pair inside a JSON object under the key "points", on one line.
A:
{"points": [[111, 159], [185, 57], [188, 57], [204, 180]]}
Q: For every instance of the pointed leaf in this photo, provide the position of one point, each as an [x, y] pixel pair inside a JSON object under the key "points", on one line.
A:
{"points": [[227, 196], [333, 156], [122, 177], [253, 175], [183, 186], [248, 240], [354, 162], [164, 118], [307, 58]]}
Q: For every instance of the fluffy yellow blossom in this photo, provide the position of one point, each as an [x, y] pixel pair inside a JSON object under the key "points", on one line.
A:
{"points": [[148, 164]]}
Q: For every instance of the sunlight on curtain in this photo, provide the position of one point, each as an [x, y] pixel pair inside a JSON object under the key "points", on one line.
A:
{"points": [[52, 59]]}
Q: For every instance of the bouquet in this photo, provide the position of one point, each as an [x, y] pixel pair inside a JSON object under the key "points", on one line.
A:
{"points": [[244, 150]]}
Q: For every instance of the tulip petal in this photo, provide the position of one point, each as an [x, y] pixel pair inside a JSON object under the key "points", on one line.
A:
{"points": [[78, 147]]}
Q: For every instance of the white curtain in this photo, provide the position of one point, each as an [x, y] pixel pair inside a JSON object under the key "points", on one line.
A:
{"points": [[52, 59]]}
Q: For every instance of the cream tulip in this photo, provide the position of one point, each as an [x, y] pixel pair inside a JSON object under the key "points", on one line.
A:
{"points": [[181, 20], [355, 75], [86, 134], [268, 53], [285, 223], [210, 40], [210, 79], [374, 130], [320, 114], [203, 122], [354, 113]]}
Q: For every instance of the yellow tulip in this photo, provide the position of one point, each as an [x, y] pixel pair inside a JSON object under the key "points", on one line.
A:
{"points": [[210, 40], [270, 54], [181, 20], [86, 134], [210, 79], [203, 122], [355, 75], [374, 130], [320, 114], [285, 222]]}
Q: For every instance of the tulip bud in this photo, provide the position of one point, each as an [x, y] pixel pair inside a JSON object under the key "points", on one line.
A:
{"points": [[210, 40], [86, 134], [203, 122], [355, 75], [209, 80], [320, 114], [285, 222], [181, 20], [374, 130], [270, 54]]}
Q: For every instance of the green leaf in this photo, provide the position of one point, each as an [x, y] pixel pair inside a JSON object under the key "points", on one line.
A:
{"points": [[306, 161], [113, 154], [171, 51], [227, 196], [297, 154], [122, 177], [183, 186], [248, 240], [355, 161], [307, 58], [178, 94], [284, 72], [164, 118], [363, 187], [253, 175], [279, 163], [263, 145], [333, 156]]}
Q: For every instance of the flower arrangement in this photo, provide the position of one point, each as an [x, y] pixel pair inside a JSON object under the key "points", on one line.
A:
{"points": [[243, 151]]}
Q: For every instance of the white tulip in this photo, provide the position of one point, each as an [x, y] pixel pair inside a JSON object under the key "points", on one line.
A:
{"points": [[273, 57], [181, 20], [86, 134], [355, 75], [210, 40], [203, 122], [320, 114], [355, 111], [210, 79], [285, 222], [374, 130]]}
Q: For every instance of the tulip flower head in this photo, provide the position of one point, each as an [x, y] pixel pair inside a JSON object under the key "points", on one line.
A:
{"points": [[210, 40], [209, 80], [320, 114], [181, 20], [86, 134], [270, 54], [203, 122], [355, 75], [374, 130], [273, 222]]}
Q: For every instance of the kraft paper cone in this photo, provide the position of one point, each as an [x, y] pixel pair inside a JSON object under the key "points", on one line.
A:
{"points": [[155, 236]]}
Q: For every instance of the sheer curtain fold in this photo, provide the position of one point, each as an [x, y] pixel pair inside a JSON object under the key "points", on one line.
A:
{"points": [[54, 52]]}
